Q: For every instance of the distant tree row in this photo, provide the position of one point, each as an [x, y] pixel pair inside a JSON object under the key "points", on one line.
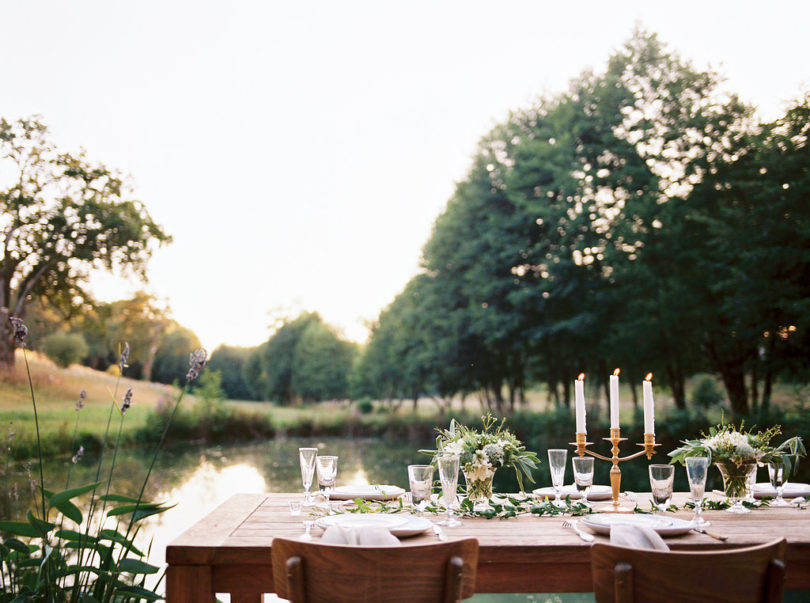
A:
{"points": [[643, 219]]}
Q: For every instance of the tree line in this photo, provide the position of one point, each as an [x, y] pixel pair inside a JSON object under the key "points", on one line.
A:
{"points": [[645, 219]]}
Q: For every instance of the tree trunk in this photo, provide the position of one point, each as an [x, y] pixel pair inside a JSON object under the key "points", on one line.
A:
{"points": [[677, 383], [7, 343], [567, 393], [754, 388], [634, 393], [730, 365]]}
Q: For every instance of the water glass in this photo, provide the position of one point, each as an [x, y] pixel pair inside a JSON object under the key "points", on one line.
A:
{"points": [[777, 474], [661, 480], [696, 469], [583, 476], [448, 476], [326, 467], [556, 464], [420, 478], [295, 508], [306, 456]]}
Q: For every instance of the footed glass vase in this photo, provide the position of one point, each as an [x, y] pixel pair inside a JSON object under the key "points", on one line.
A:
{"points": [[479, 491], [736, 483]]}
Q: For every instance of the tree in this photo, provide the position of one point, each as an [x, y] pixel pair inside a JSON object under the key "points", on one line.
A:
{"points": [[230, 362], [61, 215], [65, 348], [172, 353]]}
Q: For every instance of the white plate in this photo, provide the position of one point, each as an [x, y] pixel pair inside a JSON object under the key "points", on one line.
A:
{"points": [[363, 520], [596, 493], [792, 490], [665, 526], [366, 492], [414, 525]]}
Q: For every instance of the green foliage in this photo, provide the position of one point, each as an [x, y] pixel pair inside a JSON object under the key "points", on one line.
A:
{"points": [[303, 361], [59, 554], [230, 362], [65, 348], [365, 406]]}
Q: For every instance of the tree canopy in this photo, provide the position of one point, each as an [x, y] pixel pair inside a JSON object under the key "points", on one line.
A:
{"points": [[61, 215]]}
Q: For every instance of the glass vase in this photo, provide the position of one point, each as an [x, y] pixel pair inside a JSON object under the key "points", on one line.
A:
{"points": [[736, 483], [479, 491]]}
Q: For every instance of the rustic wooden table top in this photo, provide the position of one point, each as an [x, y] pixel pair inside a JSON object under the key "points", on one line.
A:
{"points": [[522, 554]]}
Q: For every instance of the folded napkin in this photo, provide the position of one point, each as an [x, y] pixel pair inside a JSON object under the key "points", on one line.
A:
{"points": [[637, 537], [361, 536]]}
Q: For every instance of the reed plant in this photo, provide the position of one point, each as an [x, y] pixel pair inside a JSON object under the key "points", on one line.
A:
{"points": [[59, 554]]}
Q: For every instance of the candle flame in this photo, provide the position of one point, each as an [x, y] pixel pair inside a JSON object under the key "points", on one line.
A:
{"points": [[648, 377], [581, 377], [617, 371]]}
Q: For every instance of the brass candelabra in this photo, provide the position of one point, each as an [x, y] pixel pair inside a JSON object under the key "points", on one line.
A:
{"points": [[615, 473]]}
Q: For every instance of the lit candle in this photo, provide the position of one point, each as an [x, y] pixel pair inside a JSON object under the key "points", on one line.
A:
{"points": [[614, 400], [579, 399], [649, 405]]}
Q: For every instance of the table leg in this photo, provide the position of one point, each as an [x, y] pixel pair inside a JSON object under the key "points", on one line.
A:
{"points": [[189, 584]]}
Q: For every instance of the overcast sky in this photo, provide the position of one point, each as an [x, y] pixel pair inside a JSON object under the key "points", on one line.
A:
{"points": [[299, 152]]}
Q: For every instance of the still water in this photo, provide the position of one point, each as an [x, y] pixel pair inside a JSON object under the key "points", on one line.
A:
{"points": [[197, 480]]}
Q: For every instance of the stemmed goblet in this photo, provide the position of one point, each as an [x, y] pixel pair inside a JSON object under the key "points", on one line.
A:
{"points": [[776, 473], [448, 476], [556, 464], [583, 476], [696, 469], [306, 457], [661, 480]]}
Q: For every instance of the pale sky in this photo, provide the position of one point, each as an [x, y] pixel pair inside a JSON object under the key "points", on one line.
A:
{"points": [[299, 152]]}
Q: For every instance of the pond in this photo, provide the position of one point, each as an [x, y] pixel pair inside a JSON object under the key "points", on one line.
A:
{"points": [[197, 479]]}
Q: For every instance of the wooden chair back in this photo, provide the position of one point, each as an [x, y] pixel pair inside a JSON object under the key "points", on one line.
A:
{"points": [[306, 572], [626, 575]]}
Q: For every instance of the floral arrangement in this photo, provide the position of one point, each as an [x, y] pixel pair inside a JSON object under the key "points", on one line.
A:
{"points": [[483, 451], [727, 443]]}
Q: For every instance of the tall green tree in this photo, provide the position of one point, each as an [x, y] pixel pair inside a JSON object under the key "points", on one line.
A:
{"points": [[60, 216]]}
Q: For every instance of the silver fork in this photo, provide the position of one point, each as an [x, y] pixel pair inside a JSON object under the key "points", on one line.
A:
{"points": [[572, 523]]}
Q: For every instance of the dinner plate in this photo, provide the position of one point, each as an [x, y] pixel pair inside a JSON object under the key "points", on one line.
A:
{"points": [[414, 525], [596, 493], [665, 526], [791, 490], [366, 492], [363, 520]]}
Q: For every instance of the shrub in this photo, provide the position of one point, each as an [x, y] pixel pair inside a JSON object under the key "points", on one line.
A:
{"points": [[705, 392], [65, 348], [365, 406]]}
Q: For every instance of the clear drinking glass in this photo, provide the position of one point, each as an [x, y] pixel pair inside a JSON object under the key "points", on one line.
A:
{"points": [[556, 464], [777, 474], [448, 475], [306, 456], [583, 476], [326, 467], [420, 478], [696, 469], [661, 480]]}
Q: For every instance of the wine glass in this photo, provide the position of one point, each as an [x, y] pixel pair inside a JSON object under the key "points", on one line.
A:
{"points": [[556, 464], [777, 473], [420, 479], [661, 480], [696, 469], [306, 456], [583, 476], [326, 467], [448, 475]]}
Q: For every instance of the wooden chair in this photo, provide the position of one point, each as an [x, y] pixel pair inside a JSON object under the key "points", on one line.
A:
{"points": [[306, 572], [627, 575]]}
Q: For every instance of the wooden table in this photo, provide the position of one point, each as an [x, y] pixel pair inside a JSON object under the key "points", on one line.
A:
{"points": [[229, 550]]}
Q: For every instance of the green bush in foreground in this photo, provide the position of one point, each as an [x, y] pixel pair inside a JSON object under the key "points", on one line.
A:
{"points": [[57, 554]]}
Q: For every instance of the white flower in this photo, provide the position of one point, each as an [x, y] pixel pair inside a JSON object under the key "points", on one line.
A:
{"points": [[454, 447]]}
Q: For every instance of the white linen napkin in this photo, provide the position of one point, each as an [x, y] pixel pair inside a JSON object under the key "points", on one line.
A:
{"points": [[637, 537], [360, 536]]}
